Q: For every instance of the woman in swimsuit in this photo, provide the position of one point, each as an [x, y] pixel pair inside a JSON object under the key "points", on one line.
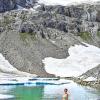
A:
{"points": [[65, 96]]}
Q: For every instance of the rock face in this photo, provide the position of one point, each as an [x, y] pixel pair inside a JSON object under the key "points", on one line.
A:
{"points": [[26, 3], [27, 37], [74, 19], [95, 72], [6, 5], [21, 2]]}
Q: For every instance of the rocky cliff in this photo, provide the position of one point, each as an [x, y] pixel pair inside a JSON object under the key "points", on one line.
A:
{"points": [[28, 36], [7, 5], [26, 3]]}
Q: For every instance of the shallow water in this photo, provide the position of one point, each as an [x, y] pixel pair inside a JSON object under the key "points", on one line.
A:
{"points": [[49, 92]]}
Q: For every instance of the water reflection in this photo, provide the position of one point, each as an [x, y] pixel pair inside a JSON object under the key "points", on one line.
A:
{"points": [[28, 93], [4, 92]]}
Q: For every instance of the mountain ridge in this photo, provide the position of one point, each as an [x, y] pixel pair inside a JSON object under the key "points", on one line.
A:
{"points": [[28, 36]]}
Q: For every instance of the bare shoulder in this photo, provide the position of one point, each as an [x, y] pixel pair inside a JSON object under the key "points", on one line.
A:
{"points": [[67, 94]]}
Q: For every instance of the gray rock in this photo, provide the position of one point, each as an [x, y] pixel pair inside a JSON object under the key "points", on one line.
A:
{"points": [[21, 3], [95, 72], [98, 17], [6, 5], [26, 3], [27, 37]]}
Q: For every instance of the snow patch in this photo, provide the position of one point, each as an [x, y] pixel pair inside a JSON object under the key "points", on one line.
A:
{"points": [[9, 73], [52, 41], [65, 2], [90, 79], [26, 9], [20, 7], [81, 59]]}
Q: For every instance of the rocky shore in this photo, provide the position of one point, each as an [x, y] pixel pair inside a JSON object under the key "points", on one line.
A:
{"points": [[90, 78]]}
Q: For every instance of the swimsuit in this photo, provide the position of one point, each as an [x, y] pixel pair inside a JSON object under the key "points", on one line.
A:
{"points": [[64, 97]]}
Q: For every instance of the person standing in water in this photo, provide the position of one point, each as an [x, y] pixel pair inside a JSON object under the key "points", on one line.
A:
{"points": [[65, 96]]}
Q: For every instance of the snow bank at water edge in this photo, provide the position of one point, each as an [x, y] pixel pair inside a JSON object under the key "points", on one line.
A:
{"points": [[8, 72], [65, 2], [90, 79], [7, 68], [81, 59]]}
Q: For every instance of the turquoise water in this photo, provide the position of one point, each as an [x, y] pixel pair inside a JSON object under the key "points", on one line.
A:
{"points": [[49, 92]]}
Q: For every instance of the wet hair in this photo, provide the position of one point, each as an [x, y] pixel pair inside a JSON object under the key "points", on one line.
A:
{"points": [[65, 90]]}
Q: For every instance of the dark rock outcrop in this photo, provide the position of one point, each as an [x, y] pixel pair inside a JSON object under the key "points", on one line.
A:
{"points": [[6, 5], [21, 2], [98, 17], [26, 3], [74, 19]]}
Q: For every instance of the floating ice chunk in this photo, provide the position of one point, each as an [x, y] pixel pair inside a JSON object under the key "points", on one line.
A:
{"points": [[3, 97]]}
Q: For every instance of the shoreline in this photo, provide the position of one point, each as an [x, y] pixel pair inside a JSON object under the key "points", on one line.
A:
{"points": [[92, 84]]}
